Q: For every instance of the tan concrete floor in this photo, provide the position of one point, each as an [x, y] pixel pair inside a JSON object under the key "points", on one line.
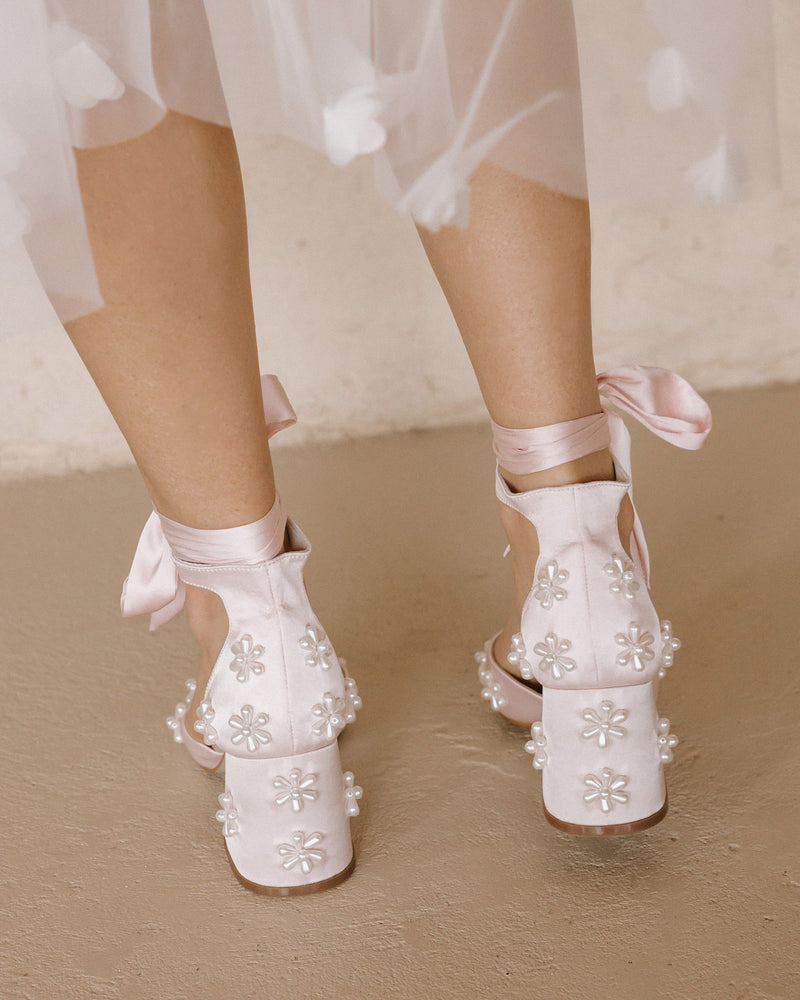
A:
{"points": [[115, 883]]}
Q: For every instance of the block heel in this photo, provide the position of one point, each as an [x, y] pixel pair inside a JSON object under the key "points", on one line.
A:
{"points": [[602, 754], [286, 821]]}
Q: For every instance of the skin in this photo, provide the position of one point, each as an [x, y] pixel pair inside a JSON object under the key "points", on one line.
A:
{"points": [[168, 230], [167, 226], [518, 280]]}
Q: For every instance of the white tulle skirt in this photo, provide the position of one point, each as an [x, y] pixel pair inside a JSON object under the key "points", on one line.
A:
{"points": [[677, 98]]}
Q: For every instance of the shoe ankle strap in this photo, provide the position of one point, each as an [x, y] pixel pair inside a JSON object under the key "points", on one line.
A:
{"points": [[659, 399], [534, 449], [246, 544]]}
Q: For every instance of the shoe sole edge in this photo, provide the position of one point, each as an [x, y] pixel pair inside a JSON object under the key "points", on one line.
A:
{"points": [[293, 890], [607, 830]]}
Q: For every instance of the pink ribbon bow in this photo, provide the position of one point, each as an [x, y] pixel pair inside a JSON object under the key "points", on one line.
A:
{"points": [[661, 400], [665, 404]]}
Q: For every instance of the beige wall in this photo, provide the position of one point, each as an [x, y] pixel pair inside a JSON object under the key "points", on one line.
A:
{"points": [[353, 321]]}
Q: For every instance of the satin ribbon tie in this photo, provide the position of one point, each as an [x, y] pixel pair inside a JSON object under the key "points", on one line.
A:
{"points": [[665, 404], [659, 399]]}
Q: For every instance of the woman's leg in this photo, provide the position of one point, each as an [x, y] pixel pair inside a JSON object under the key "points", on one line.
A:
{"points": [[518, 282], [174, 351]]}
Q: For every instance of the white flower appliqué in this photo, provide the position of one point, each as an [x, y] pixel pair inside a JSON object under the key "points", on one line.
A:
{"points": [[227, 815], [636, 645], [604, 724], [713, 177], [666, 741], [494, 696], [351, 126], [331, 712], [317, 648], [245, 661], [352, 793], [295, 789], [623, 581], [489, 689], [249, 728], [80, 68], [174, 721], [536, 746], [606, 789], [548, 587], [552, 652], [671, 645], [516, 656], [439, 197], [668, 79], [303, 851], [352, 699], [204, 725]]}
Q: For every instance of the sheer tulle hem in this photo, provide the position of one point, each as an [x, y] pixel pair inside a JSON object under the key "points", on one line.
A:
{"points": [[677, 99]]}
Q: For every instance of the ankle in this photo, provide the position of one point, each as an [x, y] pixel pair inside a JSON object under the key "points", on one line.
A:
{"points": [[206, 617], [596, 467]]}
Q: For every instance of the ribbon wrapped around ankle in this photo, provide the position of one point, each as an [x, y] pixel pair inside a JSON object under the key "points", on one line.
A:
{"points": [[153, 586], [659, 399], [534, 449]]}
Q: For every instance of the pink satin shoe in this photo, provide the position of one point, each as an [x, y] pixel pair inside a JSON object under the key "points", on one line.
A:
{"points": [[277, 698], [589, 632]]}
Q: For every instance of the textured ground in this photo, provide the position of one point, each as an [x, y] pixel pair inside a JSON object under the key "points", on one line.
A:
{"points": [[115, 883]]}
